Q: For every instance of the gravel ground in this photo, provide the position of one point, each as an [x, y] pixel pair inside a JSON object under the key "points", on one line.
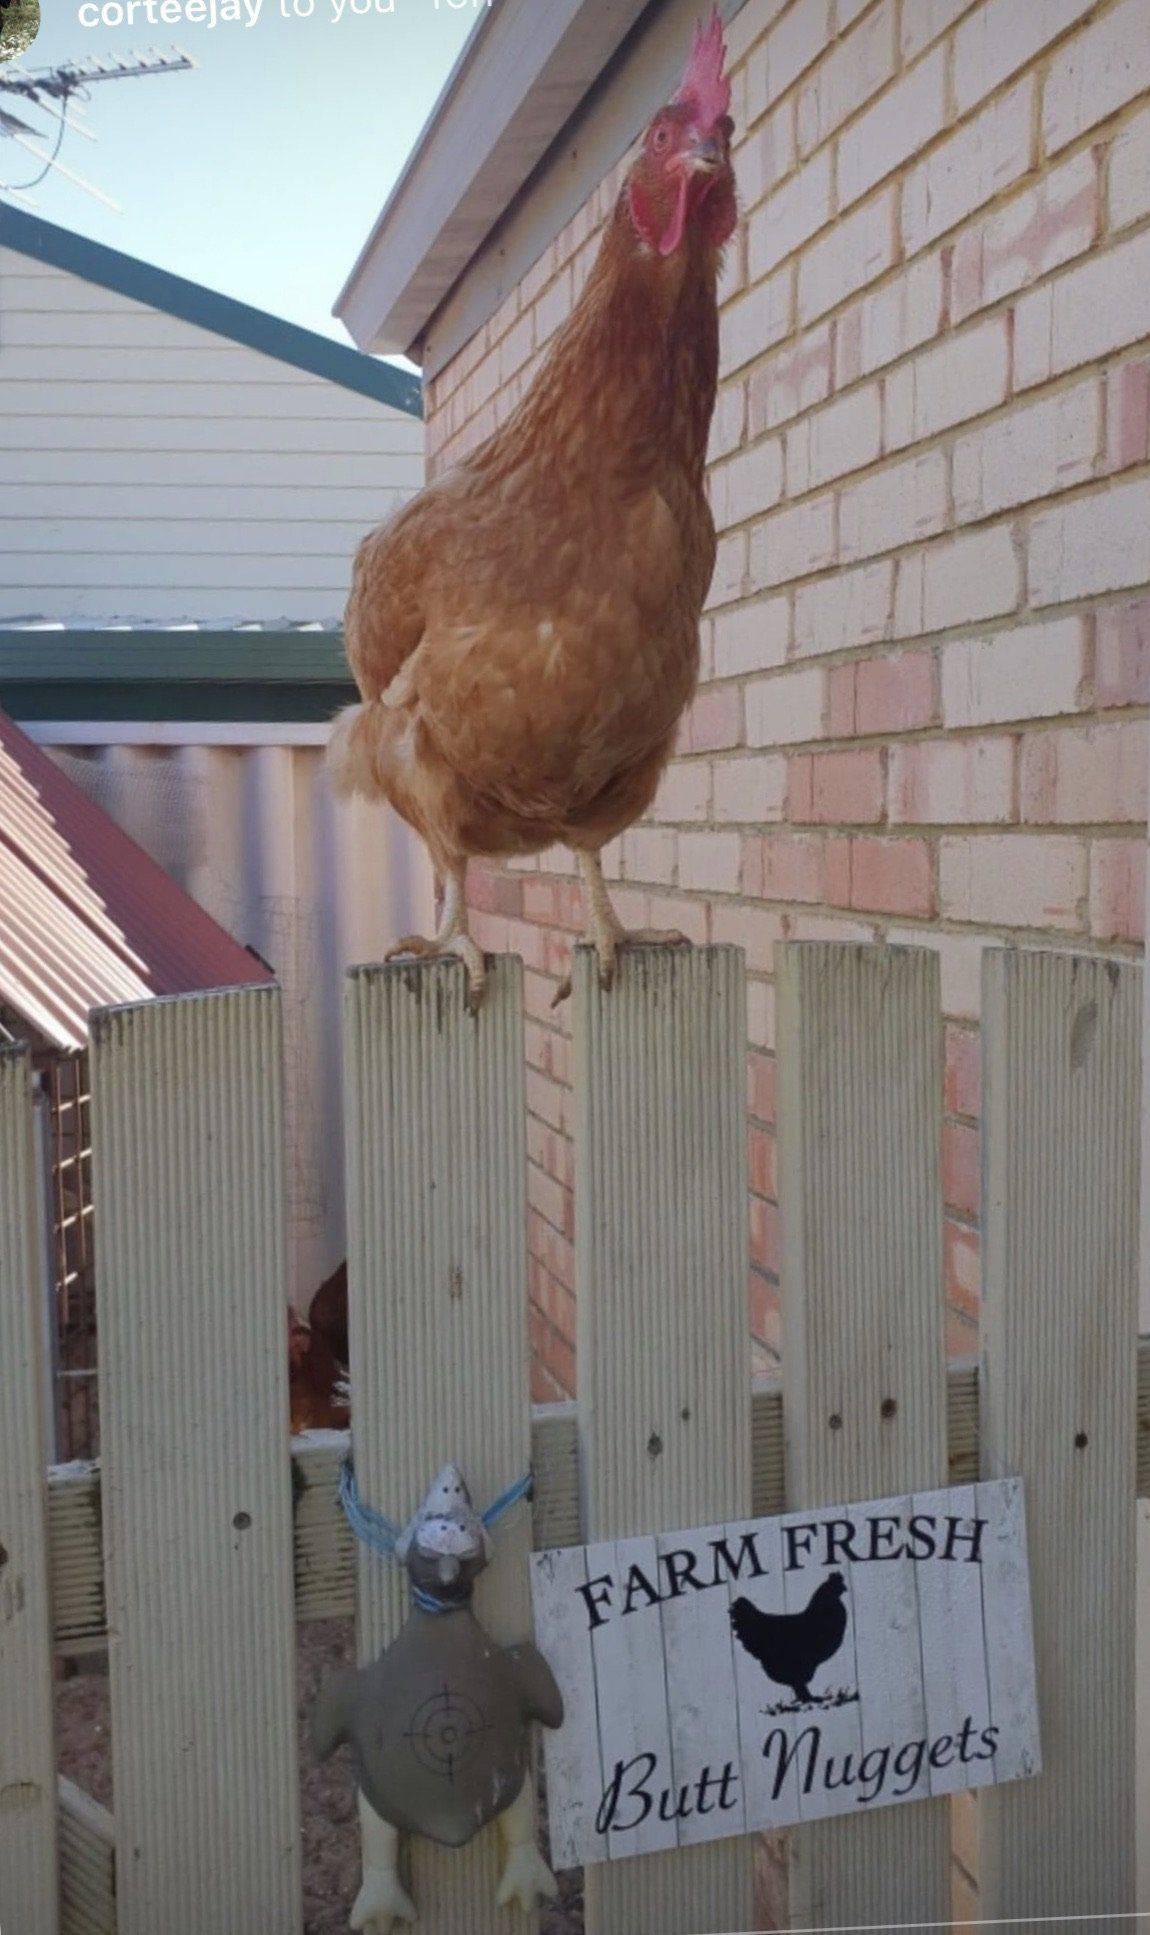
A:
{"points": [[330, 1837]]}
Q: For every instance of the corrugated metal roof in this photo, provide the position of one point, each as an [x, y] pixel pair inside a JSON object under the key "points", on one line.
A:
{"points": [[87, 918]]}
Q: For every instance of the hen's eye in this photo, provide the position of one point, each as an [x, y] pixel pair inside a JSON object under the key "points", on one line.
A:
{"points": [[662, 140]]}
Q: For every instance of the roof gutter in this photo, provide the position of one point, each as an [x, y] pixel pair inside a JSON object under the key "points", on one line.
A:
{"points": [[523, 73]]}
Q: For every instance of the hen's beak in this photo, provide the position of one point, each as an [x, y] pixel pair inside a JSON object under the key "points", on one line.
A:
{"points": [[706, 156]]}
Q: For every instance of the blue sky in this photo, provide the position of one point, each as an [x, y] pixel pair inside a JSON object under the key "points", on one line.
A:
{"points": [[261, 172]]}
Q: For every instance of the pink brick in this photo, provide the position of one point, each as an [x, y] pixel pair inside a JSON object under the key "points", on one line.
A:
{"points": [[749, 790], [962, 377], [1013, 880], [729, 423], [752, 637], [1032, 671], [709, 862], [1096, 73], [1000, 37], [791, 867], [1084, 314], [684, 793], [756, 320], [898, 126], [755, 929], [794, 379], [827, 443], [957, 582], [962, 1079], [923, 22], [765, 156], [1118, 890], [1078, 775], [890, 877], [747, 484], [715, 719], [790, 216], [1128, 415], [857, 249], [554, 307], [1129, 172], [1096, 543], [976, 163], [1122, 654], [960, 1167], [960, 966], [785, 709], [792, 542], [730, 578], [897, 505], [951, 782], [1037, 450], [649, 855], [881, 695], [846, 609], [855, 69], [516, 347], [836, 788], [963, 1287], [788, 50], [1033, 233], [906, 311]]}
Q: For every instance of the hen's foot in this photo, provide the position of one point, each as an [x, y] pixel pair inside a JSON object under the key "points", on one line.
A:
{"points": [[607, 946], [459, 947]]}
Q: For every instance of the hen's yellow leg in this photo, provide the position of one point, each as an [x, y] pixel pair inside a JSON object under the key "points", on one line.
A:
{"points": [[452, 939], [605, 930]]}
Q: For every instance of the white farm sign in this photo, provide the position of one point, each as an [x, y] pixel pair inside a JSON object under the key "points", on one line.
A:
{"points": [[750, 1676]]}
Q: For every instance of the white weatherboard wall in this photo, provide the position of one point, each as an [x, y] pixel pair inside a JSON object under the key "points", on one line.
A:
{"points": [[314, 884], [151, 470]]}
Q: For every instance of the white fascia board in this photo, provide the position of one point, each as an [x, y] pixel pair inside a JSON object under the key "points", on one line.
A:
{"points": [[521, 76]]}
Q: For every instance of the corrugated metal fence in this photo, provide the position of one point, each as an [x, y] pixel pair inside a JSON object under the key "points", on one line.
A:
{"points": [[193, 1550]]}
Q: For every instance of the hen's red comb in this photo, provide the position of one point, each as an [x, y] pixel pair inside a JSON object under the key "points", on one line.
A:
{"points": [[705, 87]]}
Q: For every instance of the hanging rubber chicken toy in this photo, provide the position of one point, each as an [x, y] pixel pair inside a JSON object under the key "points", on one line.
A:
{"points": [[439, 1726]]}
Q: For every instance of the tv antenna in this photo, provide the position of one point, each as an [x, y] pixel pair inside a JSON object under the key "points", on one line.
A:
{"points": [[59, 92]]}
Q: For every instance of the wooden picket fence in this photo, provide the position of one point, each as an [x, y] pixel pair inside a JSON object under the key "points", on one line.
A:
{"points": [[205, 1535]]}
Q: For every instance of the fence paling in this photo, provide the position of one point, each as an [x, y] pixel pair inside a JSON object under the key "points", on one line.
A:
{"points": [[1061, 1100], [661, 1250], [860, 1112], [187, 1148], [325, 1551], [437, 1258], [28, 1847]]}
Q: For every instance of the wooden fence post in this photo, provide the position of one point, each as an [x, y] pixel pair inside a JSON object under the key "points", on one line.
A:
{"points": [[664, 1344], [187, 1151], [28, 1883], [437, 1262], [1061, 1100], [860, 1112]]}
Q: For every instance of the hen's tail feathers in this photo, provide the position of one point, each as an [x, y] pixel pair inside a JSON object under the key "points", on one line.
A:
{"points": [[353, 751]]}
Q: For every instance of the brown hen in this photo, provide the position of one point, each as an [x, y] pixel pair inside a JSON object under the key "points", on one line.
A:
{"points": [[525, 633]]}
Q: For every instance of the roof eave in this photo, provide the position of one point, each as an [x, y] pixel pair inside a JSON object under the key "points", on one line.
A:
{"points": [[523, 74]]}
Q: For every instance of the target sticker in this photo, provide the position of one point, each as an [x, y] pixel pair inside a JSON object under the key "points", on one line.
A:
{"points": [[446, 1732]]}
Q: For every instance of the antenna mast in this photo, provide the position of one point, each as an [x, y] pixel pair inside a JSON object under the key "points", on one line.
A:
{"points": [[53, 90]]}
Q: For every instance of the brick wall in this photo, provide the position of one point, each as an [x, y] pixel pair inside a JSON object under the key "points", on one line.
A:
{"points": [[926, 658]]}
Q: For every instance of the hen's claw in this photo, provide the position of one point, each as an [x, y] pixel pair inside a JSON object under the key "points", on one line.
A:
{"points": [[607, 948], [460, 947]]}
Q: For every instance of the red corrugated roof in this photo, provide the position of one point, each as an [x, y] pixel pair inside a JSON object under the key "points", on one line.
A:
{"points": [[87, 918]]}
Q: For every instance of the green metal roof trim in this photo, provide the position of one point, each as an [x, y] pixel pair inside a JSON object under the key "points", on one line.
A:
{"points": [[142, 282], [273, 677]]}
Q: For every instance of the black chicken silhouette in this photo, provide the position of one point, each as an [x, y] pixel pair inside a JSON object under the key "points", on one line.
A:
{"points": [[790, 1646]]}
